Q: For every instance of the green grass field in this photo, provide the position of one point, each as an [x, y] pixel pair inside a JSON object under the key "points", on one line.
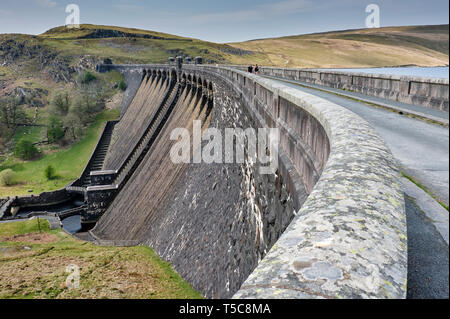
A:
{"points": [[68, 163], [33, 265]]}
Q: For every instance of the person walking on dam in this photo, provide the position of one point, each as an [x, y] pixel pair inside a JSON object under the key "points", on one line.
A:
{"points": [[250, 69], [256, 69]]}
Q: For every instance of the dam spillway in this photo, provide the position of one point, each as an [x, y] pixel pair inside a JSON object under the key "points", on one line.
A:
{"points": [[204, 219]]}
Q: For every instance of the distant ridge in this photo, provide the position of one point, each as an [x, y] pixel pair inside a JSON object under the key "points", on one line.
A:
{"points": [[389, 46]]}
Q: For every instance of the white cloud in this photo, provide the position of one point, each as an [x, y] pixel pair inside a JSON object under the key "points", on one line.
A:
{"points": [[46, 3]]}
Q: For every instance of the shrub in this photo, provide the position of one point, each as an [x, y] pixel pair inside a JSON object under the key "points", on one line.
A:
{"points": [[7, 177], [25, 149], [107, 61], [49, 172], [122, 85], [55, 131], [87, 77]]}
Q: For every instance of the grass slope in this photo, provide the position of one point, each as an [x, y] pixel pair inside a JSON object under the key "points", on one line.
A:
{"points": [[33, 265], [68, 163], [392, 46]]}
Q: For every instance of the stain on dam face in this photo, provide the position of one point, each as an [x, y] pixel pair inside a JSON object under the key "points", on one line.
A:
{"points": [[212, 222]]}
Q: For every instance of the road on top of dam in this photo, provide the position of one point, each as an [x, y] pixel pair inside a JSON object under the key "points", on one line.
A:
{"points": [[422, 151]]}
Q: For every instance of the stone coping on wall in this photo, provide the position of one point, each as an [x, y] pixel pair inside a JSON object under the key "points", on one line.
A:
{"points": [[369, 75], [349, 238]]}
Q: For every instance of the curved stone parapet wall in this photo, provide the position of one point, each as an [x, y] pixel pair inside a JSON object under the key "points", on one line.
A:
{"points": [[426, 92], [349, 238]]}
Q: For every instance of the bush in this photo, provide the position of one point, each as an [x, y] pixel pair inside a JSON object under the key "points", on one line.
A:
{"points": [[122, 85], [49, 172], [107, 61], [87, 77], [55, 131], [25, 149], [7, 177]]}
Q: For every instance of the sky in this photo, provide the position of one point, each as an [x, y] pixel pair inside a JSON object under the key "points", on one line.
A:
{"points": [[221, 21]]}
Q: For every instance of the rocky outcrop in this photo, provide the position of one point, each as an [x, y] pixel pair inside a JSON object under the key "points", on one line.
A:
{"points": [[58, 67], [104, 33], [235, 51], [30, 96]]}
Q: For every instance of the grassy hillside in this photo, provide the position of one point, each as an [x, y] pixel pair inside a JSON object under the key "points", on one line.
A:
{"points": [[127, 45], [415, 45], [392, 46], [33, 265], [68, 162]]}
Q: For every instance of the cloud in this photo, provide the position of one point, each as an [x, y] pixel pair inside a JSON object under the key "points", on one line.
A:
{"points": [[46, 3], [257, 12]]}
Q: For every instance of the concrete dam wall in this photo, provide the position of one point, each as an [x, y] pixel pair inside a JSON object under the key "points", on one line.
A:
{"points": [[329, 223], [427, 92]]}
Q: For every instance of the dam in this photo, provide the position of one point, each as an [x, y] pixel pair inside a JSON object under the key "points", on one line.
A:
{"points": [[328, 223]]}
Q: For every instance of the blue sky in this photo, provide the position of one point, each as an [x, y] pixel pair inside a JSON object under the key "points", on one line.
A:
{"points": [[221, 21]]}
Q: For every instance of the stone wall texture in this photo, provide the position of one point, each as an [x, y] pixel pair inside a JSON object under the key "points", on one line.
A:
{"points": [[432, 93]]}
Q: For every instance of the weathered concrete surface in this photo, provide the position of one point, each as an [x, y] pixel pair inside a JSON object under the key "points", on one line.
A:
{"points": [[422, 149], [428, 257], [349, 238], [433, 93], [420, 112]]}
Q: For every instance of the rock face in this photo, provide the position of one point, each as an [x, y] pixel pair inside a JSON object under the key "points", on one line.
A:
{"points": [[12, 50], [236, 51], [105, 33], [31, 97], [58, 67]]}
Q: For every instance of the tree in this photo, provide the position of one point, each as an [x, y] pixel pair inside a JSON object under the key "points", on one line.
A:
{"points": [[55, 131], [11, 112], [88, 102], [49, 172], [25, 149], [122, 85], [73, 125], [60, 103], [87, 77]]}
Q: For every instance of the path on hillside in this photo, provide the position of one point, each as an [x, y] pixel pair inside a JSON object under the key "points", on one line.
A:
{"points": [[422, 150]]}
